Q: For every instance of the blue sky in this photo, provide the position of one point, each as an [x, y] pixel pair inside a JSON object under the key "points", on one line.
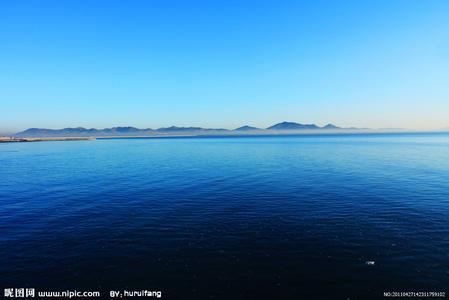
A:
{"points": [[378, 64]]}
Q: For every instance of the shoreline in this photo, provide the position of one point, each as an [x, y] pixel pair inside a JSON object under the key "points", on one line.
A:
{"points": [[6, 139], [43, 139]]}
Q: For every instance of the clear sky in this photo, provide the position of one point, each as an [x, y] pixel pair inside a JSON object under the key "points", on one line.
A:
{"points": [[378, 64]]}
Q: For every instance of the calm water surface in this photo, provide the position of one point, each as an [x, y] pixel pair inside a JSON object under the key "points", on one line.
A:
{"points": [[228, 218]]}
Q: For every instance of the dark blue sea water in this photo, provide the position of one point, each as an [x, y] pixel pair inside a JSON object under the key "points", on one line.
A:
{"points": [[228, 218]]}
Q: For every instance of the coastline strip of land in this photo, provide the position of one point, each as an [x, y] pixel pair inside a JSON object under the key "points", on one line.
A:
{"points": [[8, 139]]}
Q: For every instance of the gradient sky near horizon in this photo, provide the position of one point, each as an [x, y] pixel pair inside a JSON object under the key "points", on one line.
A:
{"points": [[377, 64]]}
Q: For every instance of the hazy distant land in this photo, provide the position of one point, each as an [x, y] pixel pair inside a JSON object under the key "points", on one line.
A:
{"points": [[280, 128], [80, 133]]}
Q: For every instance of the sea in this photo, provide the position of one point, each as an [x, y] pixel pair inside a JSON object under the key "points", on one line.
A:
{"points": [[348, 216]]}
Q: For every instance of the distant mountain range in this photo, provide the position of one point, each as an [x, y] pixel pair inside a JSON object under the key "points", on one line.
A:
{"points": [[173, 130]]}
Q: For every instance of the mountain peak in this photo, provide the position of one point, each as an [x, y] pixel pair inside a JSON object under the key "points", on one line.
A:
{"points": [[331, 126], [246, 128], [292, 126]]}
